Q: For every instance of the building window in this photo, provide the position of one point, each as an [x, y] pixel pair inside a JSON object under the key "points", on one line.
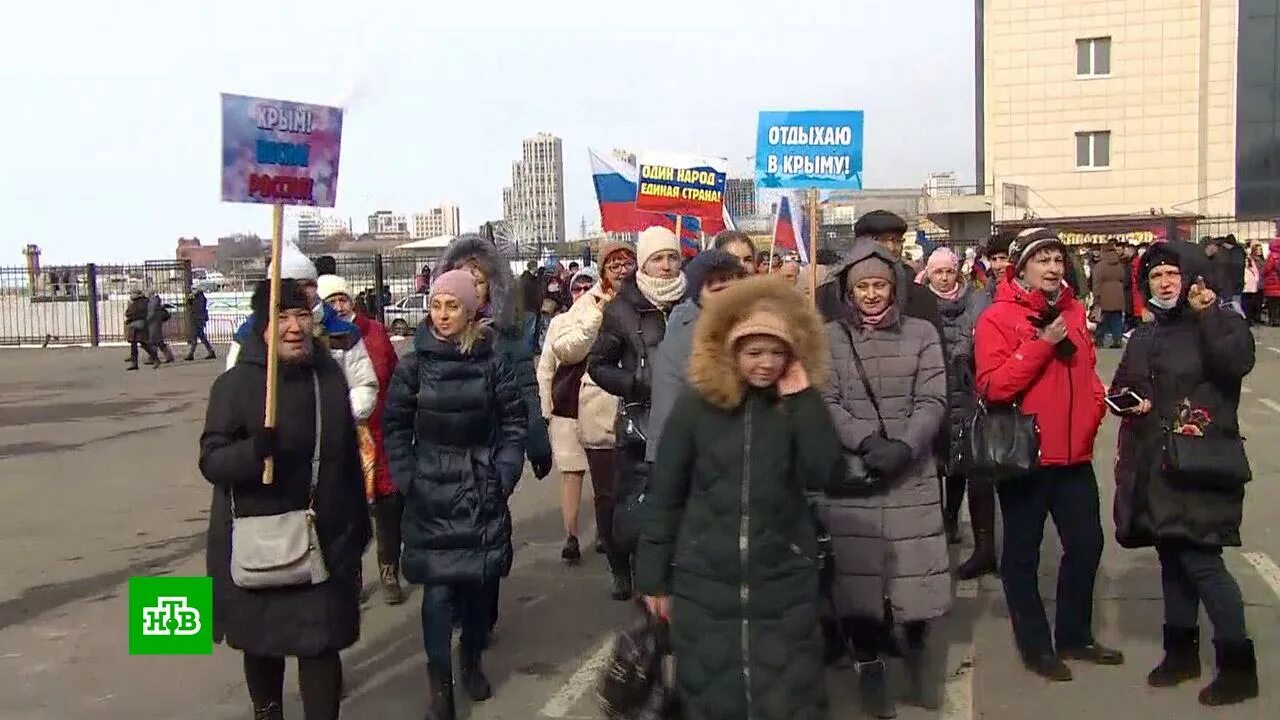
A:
{"points": [[1093, 57], [1093, 149]]}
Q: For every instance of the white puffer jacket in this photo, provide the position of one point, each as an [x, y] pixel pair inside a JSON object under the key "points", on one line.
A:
{"points": [[362, 382]]}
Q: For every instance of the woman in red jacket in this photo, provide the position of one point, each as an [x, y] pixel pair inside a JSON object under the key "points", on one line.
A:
{"points": [[1033, 348], [1271, 283], [385, 502]]}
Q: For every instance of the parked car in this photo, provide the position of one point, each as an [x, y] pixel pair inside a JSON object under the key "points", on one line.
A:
{"points": [[405, 314]]}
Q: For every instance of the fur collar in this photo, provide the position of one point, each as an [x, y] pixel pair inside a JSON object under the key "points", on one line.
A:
{"points": [[493, 261], [712, 369]]}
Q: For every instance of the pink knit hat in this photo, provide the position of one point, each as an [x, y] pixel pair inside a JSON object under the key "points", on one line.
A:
{"points": [[461, 285], [940, 258]]}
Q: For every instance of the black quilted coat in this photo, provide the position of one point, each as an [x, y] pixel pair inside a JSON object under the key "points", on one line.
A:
{"points": [[1202, 359], [296, 621], [455, 431], [727, 533]]}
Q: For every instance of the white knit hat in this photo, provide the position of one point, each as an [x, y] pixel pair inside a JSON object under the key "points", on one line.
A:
{"points": [[654, 240], [294, 265], [329, 285]]}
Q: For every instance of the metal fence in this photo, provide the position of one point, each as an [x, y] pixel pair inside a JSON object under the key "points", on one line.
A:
{"points": [[85, 304], [53, 307]]}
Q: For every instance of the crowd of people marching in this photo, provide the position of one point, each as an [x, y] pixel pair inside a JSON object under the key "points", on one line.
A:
{"points": [[775, 477]]}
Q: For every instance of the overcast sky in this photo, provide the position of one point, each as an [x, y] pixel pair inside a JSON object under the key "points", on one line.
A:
{"points": [[109, 143]]}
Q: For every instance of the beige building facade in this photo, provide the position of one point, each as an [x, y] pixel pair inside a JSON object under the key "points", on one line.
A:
{"points": [[1109, 107]]}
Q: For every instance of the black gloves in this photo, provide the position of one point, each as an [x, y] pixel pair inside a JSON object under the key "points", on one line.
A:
{"points": [[887, 458], [541, 467], [264, 442]]}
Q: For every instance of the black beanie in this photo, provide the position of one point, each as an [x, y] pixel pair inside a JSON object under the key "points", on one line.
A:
{"points": [[292, 297], [326, 265], [706, 263]]}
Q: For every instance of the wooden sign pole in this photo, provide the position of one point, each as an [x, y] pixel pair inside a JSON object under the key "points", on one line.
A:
{"points": [[813, 246], [273, 336]]}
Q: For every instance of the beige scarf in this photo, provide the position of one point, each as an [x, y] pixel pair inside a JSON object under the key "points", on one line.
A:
{"points": [[663, 293]]}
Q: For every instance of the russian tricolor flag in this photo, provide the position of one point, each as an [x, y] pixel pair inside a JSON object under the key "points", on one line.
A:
{"points": [[787, 233], [616, 185]]}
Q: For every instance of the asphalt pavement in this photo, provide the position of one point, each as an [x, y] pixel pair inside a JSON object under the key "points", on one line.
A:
{"points": [[99, 483]]}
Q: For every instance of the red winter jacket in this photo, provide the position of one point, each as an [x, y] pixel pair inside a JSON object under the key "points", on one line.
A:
{"points": [[383, 356], [1271, 271], [1013, 364]]}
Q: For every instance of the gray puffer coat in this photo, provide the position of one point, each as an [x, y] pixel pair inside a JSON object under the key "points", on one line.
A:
{"points": [[959, 317], [890, 549]]}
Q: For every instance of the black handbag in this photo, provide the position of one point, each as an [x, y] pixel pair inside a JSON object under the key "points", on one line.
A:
{"points": [[1217, 461], [1001, 443], [631, 425], [632, 685], [858, 480]]}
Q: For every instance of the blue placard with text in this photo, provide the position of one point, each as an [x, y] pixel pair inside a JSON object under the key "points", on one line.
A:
{"points": [[810, 149]]}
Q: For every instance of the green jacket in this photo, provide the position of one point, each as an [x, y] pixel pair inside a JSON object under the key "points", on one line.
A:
{"points": [[727, 532]]}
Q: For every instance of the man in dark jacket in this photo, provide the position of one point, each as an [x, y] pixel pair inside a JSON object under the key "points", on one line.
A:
{"points": [[1108, 283], [707, 274], [157, 316], [197, 316], [529, 298], [1226, 270], [136, 332], [887, 229]]}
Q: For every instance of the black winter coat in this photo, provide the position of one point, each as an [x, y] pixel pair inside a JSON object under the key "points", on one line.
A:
{"points": [[959, 317], [1201, 359], [455, 430], [727, 533], [298, 621], [630, 331]]}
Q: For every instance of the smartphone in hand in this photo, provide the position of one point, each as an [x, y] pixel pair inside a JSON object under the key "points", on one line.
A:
{"points": [[1123, 402]]}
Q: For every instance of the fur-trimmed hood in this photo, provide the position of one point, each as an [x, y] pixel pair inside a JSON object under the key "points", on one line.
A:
{"points": [[712, 368], [493, 261]]}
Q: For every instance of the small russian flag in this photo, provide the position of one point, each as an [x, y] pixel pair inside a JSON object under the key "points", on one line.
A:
{"points": [[787, 234]]}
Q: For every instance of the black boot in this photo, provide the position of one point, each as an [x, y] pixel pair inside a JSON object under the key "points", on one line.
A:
{"points": [[952, 526], [392, 593], [270, 711], [873, 687], [133, 365], [620, 567], [922, 692], [440, 705], [1237, 678], [1181, 657], [473, 679], [982, 514]]}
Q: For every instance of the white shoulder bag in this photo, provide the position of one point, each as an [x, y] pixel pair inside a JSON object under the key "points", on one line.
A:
{"points": [[271, 551]]}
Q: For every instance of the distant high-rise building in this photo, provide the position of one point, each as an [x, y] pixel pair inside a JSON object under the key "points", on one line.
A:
{"points": [[740, 197], [533, 205], [941, 184], [444, 219], [315, 226], [385, 222]]}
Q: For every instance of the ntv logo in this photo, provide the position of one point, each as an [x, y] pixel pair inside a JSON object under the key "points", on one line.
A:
{"points": [[170, 616]]}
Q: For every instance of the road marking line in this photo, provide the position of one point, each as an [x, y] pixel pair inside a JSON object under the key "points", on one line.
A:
{"points": [[1270, 403], [1246, 389], [1274, 350], [568, 695], [957, 693], [1266, 568]]}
